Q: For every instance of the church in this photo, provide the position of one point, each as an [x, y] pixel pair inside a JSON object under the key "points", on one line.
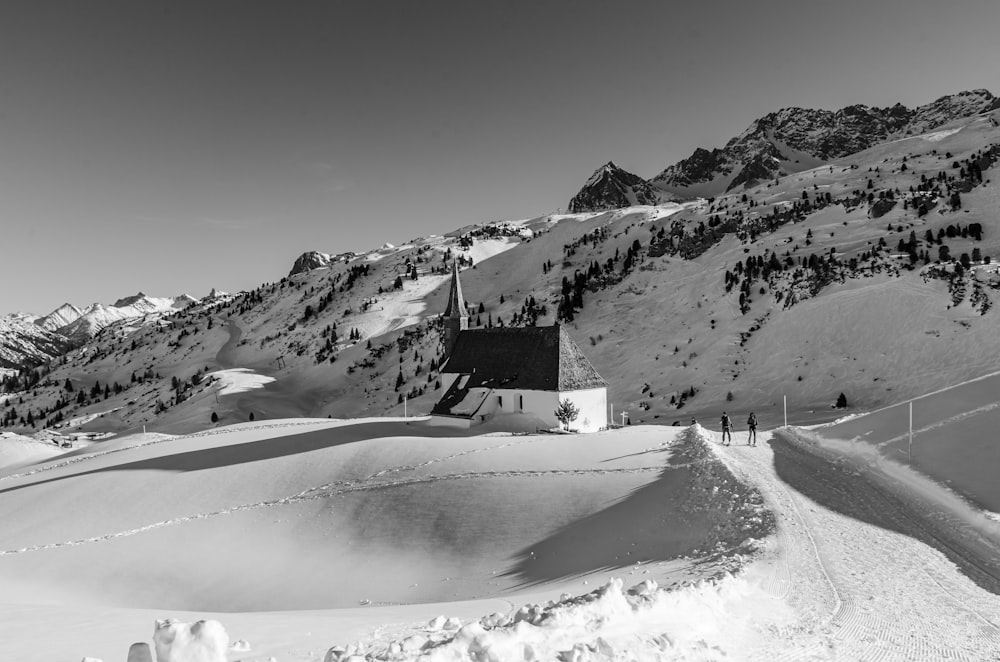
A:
{"points": [[514, 376]]}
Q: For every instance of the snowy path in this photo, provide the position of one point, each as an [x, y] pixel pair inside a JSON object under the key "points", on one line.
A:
{"points": [[863, 592]]}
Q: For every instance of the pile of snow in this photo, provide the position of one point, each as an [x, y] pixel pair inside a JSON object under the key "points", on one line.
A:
{"points": [[710, 620], [204, 641]]}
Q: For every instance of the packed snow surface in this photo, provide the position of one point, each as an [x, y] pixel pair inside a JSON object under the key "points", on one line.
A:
{"points": [[638, 544]]}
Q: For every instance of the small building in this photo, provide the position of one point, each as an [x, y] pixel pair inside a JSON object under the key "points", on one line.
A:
{"points": [[519, 375]]}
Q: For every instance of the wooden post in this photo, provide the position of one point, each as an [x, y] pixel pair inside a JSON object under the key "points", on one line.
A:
{"points": [[909, 447]]}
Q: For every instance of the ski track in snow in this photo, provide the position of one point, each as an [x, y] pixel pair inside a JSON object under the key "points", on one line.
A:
{"points": [[873, 596], [343, 487]]}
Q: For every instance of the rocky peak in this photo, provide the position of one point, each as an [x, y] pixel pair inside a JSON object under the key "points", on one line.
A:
{"points": [[310, 260], [611, 187], [131, 300]]}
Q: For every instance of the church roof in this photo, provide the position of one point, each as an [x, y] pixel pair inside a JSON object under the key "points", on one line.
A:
{"points": [[456, 302], [540, 358]]}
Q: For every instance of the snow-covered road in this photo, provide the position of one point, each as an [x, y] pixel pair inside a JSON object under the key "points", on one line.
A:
{"points": [[850, 562]]}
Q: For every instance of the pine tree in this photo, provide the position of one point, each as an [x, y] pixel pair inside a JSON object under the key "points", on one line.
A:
{"points": [[841, 401], [566, 412]]}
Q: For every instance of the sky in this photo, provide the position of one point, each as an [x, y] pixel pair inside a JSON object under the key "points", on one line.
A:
{"points": [[179, 146]]}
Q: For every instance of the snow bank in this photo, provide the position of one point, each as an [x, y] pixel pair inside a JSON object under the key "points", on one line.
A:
{"points": [[902, 480], [708, 621], [204, 641]]}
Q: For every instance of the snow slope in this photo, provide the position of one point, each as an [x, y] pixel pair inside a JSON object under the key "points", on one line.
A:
{"points": [[954, 436], [311, 514], [17, 450], [869, 561]]}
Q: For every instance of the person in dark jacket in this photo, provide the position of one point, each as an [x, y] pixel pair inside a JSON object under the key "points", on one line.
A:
{"points": [[727, 426], [752, 426]]}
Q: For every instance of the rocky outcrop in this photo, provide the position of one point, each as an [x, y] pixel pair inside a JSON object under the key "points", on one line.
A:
{"points": [[881, 207], [310, 260], [610, 187]]}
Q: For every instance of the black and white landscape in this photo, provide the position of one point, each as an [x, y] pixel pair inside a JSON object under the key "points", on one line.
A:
{"points": [[296, 462]]}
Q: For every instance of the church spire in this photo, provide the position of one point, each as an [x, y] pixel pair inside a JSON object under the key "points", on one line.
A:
{"points": [[456, 318], [456, 302]]}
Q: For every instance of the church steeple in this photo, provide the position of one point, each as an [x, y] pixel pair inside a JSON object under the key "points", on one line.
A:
{"points": [[456, 318], [456, 302]]}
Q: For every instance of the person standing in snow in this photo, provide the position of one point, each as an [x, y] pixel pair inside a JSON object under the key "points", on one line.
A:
{"points": [[726, 429], [752, 425]]}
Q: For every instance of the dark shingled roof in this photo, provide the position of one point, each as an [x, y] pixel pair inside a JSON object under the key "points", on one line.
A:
{"points": [[539, 358]]}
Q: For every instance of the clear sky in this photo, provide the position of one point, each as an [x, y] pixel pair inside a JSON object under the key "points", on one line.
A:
{"points": [[178, 146]]}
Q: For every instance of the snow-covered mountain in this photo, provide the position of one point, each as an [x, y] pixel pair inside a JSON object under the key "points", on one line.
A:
{"points": [[25, 343], [611, 187], [69, 326], [60, 317], [97, 316]]}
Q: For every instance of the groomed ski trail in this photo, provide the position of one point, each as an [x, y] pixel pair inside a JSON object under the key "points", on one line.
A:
{"points": [[862, 592]]}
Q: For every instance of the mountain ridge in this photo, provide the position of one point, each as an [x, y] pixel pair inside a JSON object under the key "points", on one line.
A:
{"points": [[786, 141]]}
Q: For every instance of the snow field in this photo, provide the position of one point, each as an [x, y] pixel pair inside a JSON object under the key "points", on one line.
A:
{"points": [[237, 521], [239, 380]]}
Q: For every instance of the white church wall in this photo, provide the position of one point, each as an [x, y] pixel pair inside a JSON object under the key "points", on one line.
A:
{"points": [[593, 406]]}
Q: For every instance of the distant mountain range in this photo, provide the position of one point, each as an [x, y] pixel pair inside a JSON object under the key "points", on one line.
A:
{"points": [[27, 340], [784, 142]]}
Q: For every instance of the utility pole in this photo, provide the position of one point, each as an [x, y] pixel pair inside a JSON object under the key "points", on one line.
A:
{"points": [[404, 406], [784, 401], [612, 413]]}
